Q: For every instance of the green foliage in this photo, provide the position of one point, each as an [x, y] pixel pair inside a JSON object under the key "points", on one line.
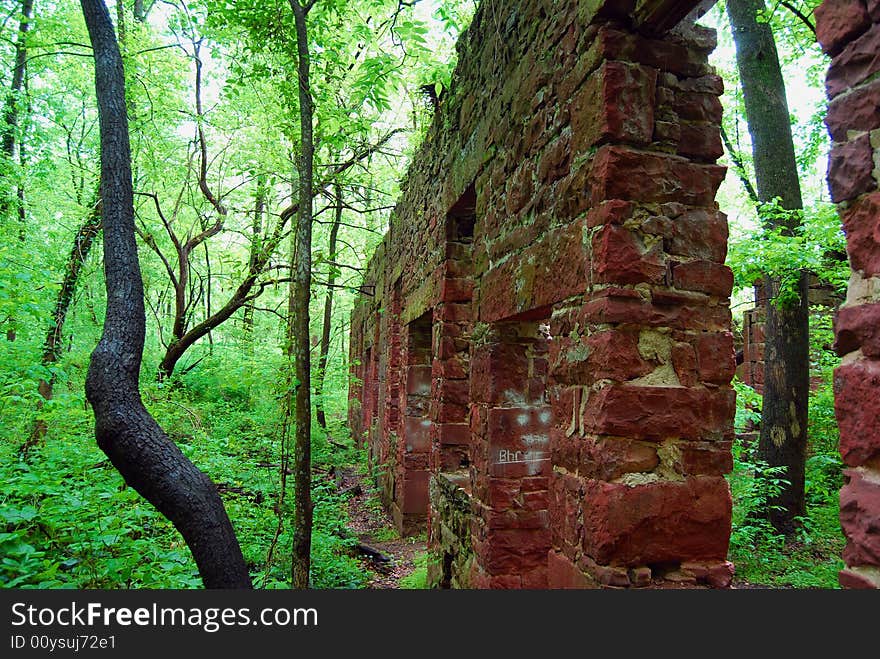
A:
{"points": [[814, 244], [418, 578]]}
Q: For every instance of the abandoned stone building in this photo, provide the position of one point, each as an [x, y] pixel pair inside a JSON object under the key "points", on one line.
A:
{"points": [[541, 353]]}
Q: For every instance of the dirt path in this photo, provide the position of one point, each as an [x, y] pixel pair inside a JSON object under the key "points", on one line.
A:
{"points": [[375, 530]]}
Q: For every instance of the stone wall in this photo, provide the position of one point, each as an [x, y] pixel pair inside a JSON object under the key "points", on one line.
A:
{"points": [[558, 230], [849, 31]]}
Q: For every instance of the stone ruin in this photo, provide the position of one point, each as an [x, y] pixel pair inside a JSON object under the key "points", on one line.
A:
{"points": [[541, 353]]}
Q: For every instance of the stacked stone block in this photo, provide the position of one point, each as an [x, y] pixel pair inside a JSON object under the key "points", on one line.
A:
{"points": [[849, 32]]}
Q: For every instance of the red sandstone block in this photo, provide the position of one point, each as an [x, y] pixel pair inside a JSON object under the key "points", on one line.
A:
{"points": [[520, 428], [454, 391], [560, 266], [535, 579], [610, 458], [621, 173], [703, 276], [458, 434], [700, 142], [861, 223], [717, 574], [657, 522], [838, 22], [857, 61], [562, 573], [415, 488], [858, 327], [619, 259], [555, 161], [658, 413], [457, 290], [850, 168], [857, 407], [498, 373], [414, 462], [611, 211], [858, 111], [613, 354], [705, 458], [853, 580], [506, 551], [698, 107], [676, 311], [716, 357], [516, 519], [449, 413], [616, 103], [664, 55], [860, 519], [456, 313], [418, 380], [455, 367], [684, 361], [699, 233], [417, 434]]}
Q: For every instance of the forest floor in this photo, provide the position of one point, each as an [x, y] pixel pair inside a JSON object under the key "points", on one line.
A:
{"points": [[393, 562]]}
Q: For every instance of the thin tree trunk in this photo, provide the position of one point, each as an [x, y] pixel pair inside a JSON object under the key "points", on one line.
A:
{"points": [[256, 248], [136, 445], [10, 129], [300, 292], [10, 114], [328, 313], [786, 363]]}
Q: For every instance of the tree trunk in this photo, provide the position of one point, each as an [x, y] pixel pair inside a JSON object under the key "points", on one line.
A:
{"points": [[10, 128], [300, 292], [82, 245], [256, 248], [786, 363], [18, 74], [328, 313], [136, 445]]}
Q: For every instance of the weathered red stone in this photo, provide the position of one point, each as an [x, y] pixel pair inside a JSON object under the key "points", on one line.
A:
{"points": [[583, 360], [838, 22], [857, 406], [856, 62], [703, 276], [699, 234], [703, 107], [617, 258], [860, 517], [853, 580], [562, 573], [684, 361], [716, 357], [850, 168], [858, 111], [622, 173], [615, 103], [657, 522], [706, 458], [858, 327], [659, 413], [861, 222], [700, 141]]}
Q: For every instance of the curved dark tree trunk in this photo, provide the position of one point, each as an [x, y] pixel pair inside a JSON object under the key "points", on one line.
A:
{"points": [[302, 461], [147, 459], [328, 313], [783, 440]]}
